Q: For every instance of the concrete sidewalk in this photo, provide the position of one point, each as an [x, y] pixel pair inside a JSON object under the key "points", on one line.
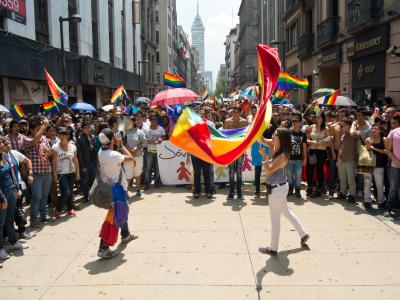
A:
{"points": [[204, 249]]}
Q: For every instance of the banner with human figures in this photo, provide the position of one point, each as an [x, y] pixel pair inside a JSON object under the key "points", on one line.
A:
{"points": [[176, 168]]}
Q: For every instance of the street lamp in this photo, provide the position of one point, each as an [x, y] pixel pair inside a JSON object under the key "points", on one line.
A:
{"points": [[74, 19], [283, 43], [146, 61]]}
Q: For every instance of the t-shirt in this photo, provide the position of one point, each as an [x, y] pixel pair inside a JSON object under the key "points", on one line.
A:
{"points": [[136, 137], [394, 136], [110, 164], [348, 148], [153, 135], [298, 140], [65, 164]]}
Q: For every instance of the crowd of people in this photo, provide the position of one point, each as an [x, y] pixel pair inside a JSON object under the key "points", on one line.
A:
{"points": [[46, 161]]}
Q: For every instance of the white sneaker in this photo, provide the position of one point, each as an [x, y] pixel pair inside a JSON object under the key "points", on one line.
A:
{"points": [[19, 246], [3, 254], [106, 254]]}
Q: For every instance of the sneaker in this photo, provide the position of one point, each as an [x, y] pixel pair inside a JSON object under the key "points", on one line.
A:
{"points": [[196, 196], [230, 196], [257, 195], [106, 254], [367, 205], [19, 246], [268, 250], [387, 213], [138, 193], [340, 196], [382, 205], [351, 199], [290, 191], [129, 238], [209, 196], [297, 193], [3, 254], [57, 214], [25, 235], [71, 212], [46, 219], [304, 240], [35, 225]]}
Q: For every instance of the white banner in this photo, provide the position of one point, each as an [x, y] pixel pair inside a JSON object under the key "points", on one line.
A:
{"points": [[175, 166]]}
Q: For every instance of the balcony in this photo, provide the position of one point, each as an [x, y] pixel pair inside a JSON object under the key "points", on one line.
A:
{"points": [[305, 45], [328, 31], [363, 12]]}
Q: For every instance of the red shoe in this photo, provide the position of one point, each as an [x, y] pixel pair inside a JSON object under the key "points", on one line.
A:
{"points": [[72, 212], [57, 214]]}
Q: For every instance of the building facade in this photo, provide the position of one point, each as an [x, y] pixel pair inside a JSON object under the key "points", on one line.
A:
{"points": [[208, 80], [166, 35], [101, 52], [149, 47], [198, 38], [230, 61]]}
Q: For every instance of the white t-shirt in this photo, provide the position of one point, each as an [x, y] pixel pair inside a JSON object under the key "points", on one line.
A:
{"points": [[65, 163], [153, 135], [110, 163]]}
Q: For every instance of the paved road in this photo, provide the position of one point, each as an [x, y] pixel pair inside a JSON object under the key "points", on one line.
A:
{"points": [[208, 250]]}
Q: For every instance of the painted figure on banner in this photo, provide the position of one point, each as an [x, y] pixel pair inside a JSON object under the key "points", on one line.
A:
{"points": [[220, 172], [246, 163], [183, 173]]}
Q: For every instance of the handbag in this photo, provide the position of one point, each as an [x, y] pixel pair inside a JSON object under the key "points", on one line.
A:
{"points": [[366, 160], [100, 193], [20, 217]]}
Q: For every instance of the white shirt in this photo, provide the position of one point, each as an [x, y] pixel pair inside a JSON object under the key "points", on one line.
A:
{"points": [[153, 135], [65, 163], [110, 163]]}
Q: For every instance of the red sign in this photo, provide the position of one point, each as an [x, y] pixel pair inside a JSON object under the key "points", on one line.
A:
{"points": [[14, 10]]}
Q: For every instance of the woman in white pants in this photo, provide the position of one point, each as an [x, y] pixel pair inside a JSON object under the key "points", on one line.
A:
{"points": [[275, 170]]}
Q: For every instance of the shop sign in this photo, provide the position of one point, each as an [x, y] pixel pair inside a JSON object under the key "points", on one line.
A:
{"points": [[14, 10], [26, 92], [369, 71], [369, 43], [329, 57]]}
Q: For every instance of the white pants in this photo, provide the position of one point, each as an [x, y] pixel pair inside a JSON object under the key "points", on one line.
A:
{"points": [[278, 206], [379, 176]]}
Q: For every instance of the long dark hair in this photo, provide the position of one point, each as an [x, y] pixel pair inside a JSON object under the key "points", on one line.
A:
{"points": [[285, 142], [323, 124]]}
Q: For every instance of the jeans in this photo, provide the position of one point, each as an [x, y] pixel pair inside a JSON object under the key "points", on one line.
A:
{"points": [[378, 174], [236, 168], [40, 190], [87, 179], [278, 206], [67, 191], [7, 218], [198, 167], [294, 170], [151, 165], [347, 173], [321, 160], [394, 187], [124, 233], [332, 175], [257, 177]]}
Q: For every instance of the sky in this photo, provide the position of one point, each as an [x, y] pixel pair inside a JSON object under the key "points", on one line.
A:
{"points": [[217, 19]]}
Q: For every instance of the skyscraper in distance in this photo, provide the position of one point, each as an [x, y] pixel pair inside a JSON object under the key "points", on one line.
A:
{"points": [[198, 37]]}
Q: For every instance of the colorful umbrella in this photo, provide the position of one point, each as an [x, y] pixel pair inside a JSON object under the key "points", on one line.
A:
{"points": [[174, 96], [83, 106], [340, 101]]}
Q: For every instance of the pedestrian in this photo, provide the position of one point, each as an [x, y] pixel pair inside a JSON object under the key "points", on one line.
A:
{"points": [[277, 186]]}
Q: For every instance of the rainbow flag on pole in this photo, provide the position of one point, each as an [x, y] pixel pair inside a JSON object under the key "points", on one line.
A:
{"points": [[118, 94], [287, 82], [331, 99], [58, 94], [174, 80], [17, 112], [50, 107]]}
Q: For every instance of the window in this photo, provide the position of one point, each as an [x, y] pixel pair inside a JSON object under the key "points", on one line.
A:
{"points": [[291, 35], [95, 29], [41, 21], [157, 17], [158, 77], [157, 57], [123, 34], [157, 37], [111, 31], [73, 28]]}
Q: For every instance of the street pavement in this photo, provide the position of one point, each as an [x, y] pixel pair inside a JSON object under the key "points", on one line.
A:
{"points": [[201, 249]]}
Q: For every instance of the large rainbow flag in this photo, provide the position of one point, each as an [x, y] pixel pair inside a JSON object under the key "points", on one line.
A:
{"points": [[287, 82], [58, 94], [17, 111], [118, 94], [193, 134], [331, 99], [50, 107], [174, 80]]}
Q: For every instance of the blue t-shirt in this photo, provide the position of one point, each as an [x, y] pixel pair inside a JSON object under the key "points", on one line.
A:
{"points": [[6, 181], [256, 158]]}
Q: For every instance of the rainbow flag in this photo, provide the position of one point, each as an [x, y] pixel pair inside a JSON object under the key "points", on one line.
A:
{"points": [[174, 80], [118, 94], [287, 82], [50, 107], [17, 111], [317, 109], [331, 99], [192, 134], [58, 94], [204, 94], [279, 94]]}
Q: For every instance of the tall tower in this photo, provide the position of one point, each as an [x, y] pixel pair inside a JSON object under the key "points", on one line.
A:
{"points": [[198, 37]]}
